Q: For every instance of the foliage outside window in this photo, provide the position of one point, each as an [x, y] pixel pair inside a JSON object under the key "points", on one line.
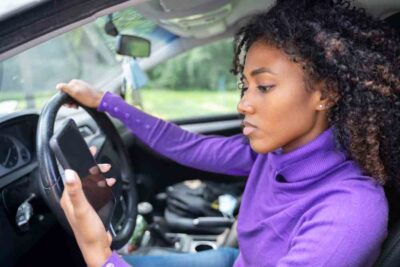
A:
{"points": [[28, 79], [195, 84]]}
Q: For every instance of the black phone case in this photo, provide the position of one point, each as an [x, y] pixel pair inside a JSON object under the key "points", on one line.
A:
{"points": [[54, 144], [65, 164]]}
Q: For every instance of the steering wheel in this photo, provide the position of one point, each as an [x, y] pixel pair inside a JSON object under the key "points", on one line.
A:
{"points": [[110, 150]]}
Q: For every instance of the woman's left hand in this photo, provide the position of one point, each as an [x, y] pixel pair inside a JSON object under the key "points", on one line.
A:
{"points": [[91, 236]]}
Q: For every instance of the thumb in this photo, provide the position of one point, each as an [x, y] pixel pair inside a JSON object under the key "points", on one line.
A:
{"points": [[73, 186]]}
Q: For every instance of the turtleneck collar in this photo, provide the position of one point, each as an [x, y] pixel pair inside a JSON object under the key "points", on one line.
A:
{"points": [[309, 160]]}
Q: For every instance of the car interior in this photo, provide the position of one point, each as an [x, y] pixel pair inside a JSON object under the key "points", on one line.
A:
{"points": [[126, 47]]}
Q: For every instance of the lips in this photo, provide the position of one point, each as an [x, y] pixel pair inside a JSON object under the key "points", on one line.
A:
{"points": [[248, 128]]}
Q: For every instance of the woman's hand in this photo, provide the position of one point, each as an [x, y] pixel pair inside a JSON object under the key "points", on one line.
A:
{"points": [[91, 236], [82, 92]]}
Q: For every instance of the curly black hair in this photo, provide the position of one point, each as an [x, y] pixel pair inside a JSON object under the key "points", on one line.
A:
{"points": [[357, 57]]}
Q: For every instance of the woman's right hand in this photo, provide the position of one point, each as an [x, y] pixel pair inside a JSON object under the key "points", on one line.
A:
{"points": [[82, 92]]}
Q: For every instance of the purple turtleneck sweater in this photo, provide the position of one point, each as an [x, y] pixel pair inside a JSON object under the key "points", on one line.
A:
{"points": [[309, 207]]}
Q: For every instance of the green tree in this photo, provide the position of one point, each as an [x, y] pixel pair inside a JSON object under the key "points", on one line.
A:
{"points": [[202, 68]]}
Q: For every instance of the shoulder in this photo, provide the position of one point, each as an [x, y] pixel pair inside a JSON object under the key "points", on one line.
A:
{"points": [[354, 197], [348, 188], [347, 224], [356, 209]]}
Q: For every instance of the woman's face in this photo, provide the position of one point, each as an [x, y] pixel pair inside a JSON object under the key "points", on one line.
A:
{"points": [[278, 110]]}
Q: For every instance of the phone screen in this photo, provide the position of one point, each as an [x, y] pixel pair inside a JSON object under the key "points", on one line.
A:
{"points": [[72, 152]]}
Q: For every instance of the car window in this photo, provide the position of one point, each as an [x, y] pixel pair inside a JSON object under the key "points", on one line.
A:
{"points": [[197, 83], [29, 78]]}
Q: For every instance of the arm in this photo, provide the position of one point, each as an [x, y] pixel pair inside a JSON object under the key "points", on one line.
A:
{"points": [[228, 155], [347, 232]]}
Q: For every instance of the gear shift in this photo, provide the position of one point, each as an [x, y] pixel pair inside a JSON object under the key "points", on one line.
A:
{"points": [[146, 210]]}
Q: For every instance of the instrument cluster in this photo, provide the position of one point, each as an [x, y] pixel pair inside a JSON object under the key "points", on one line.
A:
{"points": [[17, 145], [13, 154]]}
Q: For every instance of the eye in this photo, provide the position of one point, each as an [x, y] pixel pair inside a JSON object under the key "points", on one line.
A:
{"points": [[265, 88]]}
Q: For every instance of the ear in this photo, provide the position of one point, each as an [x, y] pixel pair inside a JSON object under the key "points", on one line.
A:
{"points": [[326, 97]]}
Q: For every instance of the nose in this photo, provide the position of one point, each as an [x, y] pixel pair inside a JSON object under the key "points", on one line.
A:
{"points": [[245, 106]]}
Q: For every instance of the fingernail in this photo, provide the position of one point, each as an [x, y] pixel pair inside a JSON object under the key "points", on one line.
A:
{"points": [[70, 176]]}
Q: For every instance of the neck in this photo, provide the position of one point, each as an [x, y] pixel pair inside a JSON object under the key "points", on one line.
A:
{"points": [[320, 125]]}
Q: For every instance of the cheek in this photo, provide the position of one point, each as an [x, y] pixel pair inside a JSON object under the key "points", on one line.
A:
{"points": [[284, 118], [285, 108]]}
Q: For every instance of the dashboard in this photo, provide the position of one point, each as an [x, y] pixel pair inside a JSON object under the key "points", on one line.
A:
{"points": [[20, 184], [13, 154], [17, 146]]}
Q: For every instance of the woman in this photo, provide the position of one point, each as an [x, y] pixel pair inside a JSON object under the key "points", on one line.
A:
{"points": [[320, 98]]}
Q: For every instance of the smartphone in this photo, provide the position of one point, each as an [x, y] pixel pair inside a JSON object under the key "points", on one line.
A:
{"points": [[73, 153]]}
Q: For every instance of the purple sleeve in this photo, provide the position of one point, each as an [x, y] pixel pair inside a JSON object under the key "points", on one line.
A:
{"points": [[115, 261], [227, 155]]}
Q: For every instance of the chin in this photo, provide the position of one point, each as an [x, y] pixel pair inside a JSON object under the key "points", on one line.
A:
{"points": [[261, 148]]}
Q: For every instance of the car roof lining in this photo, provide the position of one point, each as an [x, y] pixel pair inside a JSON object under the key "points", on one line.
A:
{"points": [[9, 9], [17, 34]]}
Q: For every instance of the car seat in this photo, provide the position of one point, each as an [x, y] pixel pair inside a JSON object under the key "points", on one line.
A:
{"points": [[390, 253]]}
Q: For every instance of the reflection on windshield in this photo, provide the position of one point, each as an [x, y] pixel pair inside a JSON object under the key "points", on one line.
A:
{"points": [[29, 78]]}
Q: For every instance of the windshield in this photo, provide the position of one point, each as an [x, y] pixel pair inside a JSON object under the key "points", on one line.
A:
{"points": [[28, 79]]}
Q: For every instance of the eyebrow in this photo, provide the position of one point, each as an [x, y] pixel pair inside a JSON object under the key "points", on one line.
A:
{"points": [[262, 70]]}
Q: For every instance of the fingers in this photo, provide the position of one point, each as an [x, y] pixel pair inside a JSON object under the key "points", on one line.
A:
{"points": [[62, 87], [105, 167], [93, 150], [110, 181], [68, 88], [71, 105]]}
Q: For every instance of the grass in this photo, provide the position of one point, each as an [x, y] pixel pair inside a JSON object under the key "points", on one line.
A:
{"points": [[173, 104]]}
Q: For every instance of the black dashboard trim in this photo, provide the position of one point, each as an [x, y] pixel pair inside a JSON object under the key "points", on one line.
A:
{"points": [[10, 119], [17, 174]]}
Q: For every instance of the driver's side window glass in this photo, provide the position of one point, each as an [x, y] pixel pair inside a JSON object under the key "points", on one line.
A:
{"points": [[197, 83]]}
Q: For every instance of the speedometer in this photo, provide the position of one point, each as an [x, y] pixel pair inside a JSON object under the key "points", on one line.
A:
{"points": [[8, 152]]}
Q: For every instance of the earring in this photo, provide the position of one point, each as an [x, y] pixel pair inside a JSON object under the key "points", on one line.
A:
{"points": [[321, 106]]}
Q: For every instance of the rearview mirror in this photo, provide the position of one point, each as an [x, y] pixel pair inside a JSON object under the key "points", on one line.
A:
{"points": [[133, 46]]}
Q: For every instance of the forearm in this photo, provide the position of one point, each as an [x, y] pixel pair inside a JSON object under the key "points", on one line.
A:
{"points": [[228, 155]]}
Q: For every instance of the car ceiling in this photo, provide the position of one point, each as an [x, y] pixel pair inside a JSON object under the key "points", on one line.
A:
{"points": [[186, 18]]}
